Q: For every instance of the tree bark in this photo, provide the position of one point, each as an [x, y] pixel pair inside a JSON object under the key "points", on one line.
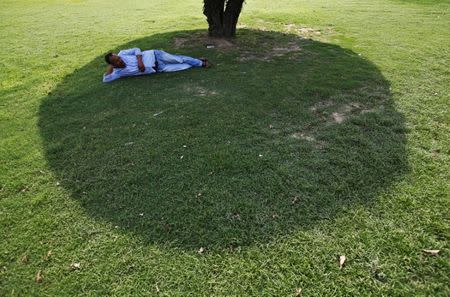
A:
{"points": [[222, 16], [231, 16], [213, 10]]}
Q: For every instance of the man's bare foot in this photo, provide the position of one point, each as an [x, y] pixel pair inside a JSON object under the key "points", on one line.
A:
{"points": [[206, 63]]}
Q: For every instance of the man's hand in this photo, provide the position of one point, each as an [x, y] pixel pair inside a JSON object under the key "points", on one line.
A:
{"points": [[109, 69], [141, 65]]}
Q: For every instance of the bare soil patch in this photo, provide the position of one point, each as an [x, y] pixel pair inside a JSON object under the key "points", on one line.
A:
{"points": [[307, 32], [202, 39], [333, 112], [244, 49]]}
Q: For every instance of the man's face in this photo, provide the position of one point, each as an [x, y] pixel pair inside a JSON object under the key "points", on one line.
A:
{"points": [[117, 62]]}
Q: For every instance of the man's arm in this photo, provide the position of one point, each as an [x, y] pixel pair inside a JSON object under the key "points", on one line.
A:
{"points": [[136, 52], [109, 69], [110, 75], [140, 63], [132, 51]]}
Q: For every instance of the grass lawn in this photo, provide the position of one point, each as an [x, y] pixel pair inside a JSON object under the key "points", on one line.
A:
{"points": [[322, 130]]}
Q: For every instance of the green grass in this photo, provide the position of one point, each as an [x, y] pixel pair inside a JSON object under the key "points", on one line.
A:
{"points": [[290, 152]]}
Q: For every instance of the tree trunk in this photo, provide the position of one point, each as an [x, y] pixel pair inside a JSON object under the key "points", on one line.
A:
{"points": [[213, 10], [222, 16], [231, 16]]}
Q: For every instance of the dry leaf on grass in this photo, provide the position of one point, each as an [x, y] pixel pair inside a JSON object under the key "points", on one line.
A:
{"points": [[75, 266], [431, 252], [24, 259], [298, 292], [342, 261], [47, 257], [39, 277]]}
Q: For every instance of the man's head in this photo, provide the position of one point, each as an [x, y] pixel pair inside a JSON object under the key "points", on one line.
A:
{"points": [[114, 60]]}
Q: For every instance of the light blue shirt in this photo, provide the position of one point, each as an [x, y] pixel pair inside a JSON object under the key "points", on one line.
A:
{"points": [[131, 62]]}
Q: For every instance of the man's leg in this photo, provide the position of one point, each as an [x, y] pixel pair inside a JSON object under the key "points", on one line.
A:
{"points": [[166, 58], [173, 67], [191, 61]]}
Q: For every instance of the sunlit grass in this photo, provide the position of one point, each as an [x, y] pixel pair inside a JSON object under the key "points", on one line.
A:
{"points": [[323, 131]]}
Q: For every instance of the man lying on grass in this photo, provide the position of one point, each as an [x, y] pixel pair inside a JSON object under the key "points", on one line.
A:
{"points": [[134, 62]]}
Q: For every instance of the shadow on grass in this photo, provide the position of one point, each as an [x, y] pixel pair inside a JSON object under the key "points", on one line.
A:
{"points": [[282, 133]]}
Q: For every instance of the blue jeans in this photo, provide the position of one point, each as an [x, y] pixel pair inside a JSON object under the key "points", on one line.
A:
{"points": [[170, 63]]}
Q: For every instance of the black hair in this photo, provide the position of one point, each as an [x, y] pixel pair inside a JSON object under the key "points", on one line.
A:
{"points": [[107, 57]]}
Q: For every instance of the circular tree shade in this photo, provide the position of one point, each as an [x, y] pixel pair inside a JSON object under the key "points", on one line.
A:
{"points": [[282, 134]]}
